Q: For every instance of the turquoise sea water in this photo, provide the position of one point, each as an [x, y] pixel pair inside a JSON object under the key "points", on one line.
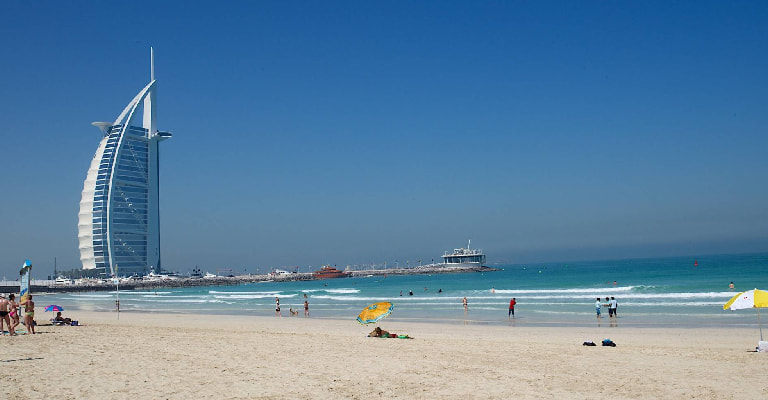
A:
{"points": [[651, 292]]}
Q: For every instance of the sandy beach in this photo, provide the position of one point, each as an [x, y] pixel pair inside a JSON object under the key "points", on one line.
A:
{"points": [[171, 356]]}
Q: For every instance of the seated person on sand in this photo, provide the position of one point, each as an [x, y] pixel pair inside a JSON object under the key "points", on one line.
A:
{"points": [[378, 332], [61, 319]]}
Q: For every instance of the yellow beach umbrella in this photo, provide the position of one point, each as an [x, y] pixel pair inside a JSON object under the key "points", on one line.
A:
{"points": [[375, 312], [755, 298]]}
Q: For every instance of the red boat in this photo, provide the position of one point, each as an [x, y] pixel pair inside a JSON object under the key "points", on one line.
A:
{"points": [[327, 272]]}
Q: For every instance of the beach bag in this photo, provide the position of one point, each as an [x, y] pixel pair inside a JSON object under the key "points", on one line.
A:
{"points": [[608, 342]]}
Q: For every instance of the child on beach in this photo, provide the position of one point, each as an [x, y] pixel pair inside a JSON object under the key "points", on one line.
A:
{"points": [[597, 307], [277, 308]]}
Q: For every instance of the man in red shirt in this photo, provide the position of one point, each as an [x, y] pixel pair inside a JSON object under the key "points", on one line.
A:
{"points": [[512, 308]]}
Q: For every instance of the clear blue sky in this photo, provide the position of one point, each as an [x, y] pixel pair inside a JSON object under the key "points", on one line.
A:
{"points": [[347, 132]]}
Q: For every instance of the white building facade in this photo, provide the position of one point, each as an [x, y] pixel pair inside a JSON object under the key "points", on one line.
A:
{"points": [[119, 218]]}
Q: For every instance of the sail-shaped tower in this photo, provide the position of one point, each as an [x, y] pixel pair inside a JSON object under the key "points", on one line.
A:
{"points": [[119, 219]]}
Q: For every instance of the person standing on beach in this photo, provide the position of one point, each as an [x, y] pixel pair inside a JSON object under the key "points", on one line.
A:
{"points": [[4, 311], [512, 308], [608, 304], [14, 311], [306, 308], [464, 303], [29, 314], [277, 307], [597, 307], [613, 305]]}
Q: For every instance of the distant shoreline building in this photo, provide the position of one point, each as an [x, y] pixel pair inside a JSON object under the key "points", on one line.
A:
{"points": [[119, 218]]}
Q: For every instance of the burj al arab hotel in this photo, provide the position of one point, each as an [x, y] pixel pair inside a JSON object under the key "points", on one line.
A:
{"points": [[119, 219]]}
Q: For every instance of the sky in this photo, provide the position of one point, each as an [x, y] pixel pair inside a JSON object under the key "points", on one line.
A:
{"points": [[310, 133]]}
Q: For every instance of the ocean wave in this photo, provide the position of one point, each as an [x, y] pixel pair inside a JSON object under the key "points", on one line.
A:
{"points": [[248, 296], [272, 293], [574, 290], [94, 296], [349, 298], [342, 290], [170, 300]]}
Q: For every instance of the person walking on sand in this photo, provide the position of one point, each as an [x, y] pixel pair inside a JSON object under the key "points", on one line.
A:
{"points": [[29, 314], [14, 311], [464, 303], [4, 311], [512, 308], [597, 307], [306, 308], [277, 307]]}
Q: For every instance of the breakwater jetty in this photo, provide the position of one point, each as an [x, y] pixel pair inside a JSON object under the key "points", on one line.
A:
{"points": [[181, 282]]}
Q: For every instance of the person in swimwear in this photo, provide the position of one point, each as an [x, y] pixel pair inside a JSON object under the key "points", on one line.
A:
{"points": [[4, 305], [380, 333], [29, 314], [59, 318], [277, 308], [14, 313]]}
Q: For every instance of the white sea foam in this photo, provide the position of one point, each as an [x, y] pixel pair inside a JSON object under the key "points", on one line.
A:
{"points": [[255, 296], [342, 290], [272, 293], [348, 298], [574, 290], [91, 295]]}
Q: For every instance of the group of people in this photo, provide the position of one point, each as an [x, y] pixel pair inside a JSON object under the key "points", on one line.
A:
{"points": [[10, 314], [612, 305], [291, 311]]}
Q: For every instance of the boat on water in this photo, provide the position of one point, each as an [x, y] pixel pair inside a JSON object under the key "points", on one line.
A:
{"points": [[464, 257], [63, 281], [328, 272]]}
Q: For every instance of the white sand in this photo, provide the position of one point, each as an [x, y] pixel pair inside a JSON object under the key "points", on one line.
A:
{"points": [[154, 356]]}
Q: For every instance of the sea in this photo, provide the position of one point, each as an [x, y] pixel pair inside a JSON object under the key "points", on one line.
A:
{"points": [[654, 292]]}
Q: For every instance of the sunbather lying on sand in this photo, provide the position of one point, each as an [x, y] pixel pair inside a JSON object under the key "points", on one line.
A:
{"points": [[378, 332]]}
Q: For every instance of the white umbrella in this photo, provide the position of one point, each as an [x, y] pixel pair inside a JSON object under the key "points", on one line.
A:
{"points": [[755, 298]]}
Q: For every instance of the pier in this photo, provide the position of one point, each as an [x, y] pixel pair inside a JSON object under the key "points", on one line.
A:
{"points": [[47, 286]]}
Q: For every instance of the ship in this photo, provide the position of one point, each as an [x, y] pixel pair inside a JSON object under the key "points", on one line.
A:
{"points": [[328, 272], [462, 257]]}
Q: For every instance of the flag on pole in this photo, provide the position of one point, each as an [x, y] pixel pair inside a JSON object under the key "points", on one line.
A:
{"points": [[25, 272]]}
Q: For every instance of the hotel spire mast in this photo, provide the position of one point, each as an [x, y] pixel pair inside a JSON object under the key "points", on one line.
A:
{"points": [[119, 219]]}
